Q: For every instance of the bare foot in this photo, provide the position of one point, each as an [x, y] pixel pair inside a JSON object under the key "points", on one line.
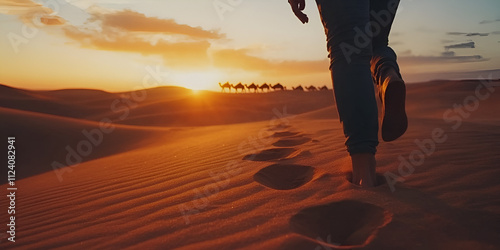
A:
{"points": [[363, 170], [393, 95]]}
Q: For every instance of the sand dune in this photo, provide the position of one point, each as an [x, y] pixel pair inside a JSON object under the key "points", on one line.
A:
{"points": [[49, 142], [218, 108], [163, 179], [8, 92], [164, 106], [78, 95]]}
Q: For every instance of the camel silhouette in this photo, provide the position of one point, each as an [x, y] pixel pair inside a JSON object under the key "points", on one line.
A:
{"points": [[299, 88], [238, 86], [252, 86], [311, 88], [225, 85], [324, 88], [278, 86], [264, 86]]}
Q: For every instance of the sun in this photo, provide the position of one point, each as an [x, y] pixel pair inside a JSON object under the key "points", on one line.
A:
{"points": [[199, 80]]}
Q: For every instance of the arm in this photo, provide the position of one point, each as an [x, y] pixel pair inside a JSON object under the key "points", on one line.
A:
{"points": [[297, 7]]}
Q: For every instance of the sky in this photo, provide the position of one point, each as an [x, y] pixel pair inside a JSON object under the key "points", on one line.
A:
{"points": [[120, 45]]}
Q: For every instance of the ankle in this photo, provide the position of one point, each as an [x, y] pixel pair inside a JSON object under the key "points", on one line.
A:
{"points": [[363, 169]]}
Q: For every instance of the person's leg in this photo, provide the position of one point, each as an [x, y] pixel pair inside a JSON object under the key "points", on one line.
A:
{"points": [[385, 70], [350, 50], [382, 13]]}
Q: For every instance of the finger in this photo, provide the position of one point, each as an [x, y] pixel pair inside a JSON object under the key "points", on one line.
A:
{"points": [[301, 16], [296, 5], [304, 18]]}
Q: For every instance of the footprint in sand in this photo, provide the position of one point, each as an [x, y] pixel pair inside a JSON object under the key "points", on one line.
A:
{"points": [[278, 154], [347, 223], [272, 154], [284, 176]]}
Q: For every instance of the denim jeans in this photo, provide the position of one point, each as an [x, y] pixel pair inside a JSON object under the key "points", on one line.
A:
{"points": [[357, 34]]}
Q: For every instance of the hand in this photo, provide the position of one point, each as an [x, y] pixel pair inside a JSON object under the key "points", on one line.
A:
{"points": [[297, 7]]}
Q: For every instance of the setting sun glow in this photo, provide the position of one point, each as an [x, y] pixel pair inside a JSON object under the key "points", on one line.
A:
{"points": [[199, 80]]}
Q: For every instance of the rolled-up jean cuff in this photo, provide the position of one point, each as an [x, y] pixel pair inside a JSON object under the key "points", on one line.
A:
{"points": [[362, 148]]}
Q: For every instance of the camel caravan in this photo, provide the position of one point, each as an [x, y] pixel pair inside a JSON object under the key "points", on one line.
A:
{"points": [[240, 88]]}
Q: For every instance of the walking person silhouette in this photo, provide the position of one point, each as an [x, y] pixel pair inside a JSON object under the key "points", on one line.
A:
{"points": [[357, 34]]}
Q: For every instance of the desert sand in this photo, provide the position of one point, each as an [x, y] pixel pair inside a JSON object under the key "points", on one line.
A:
{"points": [[168, 168]]}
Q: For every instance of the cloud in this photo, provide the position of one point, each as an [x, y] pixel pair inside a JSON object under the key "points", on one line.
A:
{"points": [[180, 45], [468, 45], [453, 75], [448, 53], [176, 54], [132, 21], [30, 12], [126, 31], [489, 21], [52, 20], [467, 34], [239, 59], [456, 33], [477, 34], [446, 57]]}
